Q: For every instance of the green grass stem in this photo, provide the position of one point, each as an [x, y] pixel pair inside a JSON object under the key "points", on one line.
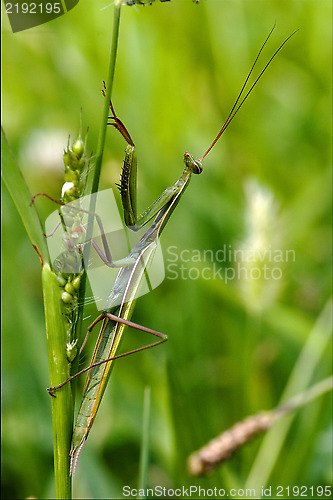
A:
{"points": [[144, 453]]}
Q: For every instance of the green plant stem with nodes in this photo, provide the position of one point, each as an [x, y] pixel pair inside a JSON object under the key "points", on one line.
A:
{"points": [[62, 408]]}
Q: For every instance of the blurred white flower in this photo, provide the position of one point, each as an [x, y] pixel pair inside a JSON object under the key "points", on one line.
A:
{"points": [[44, 149], [261, 279], [260, 216]]}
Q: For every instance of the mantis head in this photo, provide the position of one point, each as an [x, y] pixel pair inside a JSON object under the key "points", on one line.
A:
{"points": [[193, 165]]}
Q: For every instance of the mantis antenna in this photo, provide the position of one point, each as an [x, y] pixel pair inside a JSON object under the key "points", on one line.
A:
{"points": [[237, 105]]}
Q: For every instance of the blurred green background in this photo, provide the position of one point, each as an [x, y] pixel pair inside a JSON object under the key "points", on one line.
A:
{"points": [[232, 346]]}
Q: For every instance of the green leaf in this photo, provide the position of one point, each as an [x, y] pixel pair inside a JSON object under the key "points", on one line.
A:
{"points": [[19, 191]]}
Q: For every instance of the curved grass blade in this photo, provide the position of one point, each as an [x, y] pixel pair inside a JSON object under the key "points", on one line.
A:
{"points": [[21, 197]]}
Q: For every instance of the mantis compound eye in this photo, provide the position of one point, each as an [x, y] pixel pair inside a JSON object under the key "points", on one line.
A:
{"points": [[198, 165]]}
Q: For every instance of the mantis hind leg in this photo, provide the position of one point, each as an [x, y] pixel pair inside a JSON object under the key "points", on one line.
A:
{"points": [[105, 317]]}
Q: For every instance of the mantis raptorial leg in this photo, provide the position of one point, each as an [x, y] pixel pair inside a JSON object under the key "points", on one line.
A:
{"points": [[114, 317]]}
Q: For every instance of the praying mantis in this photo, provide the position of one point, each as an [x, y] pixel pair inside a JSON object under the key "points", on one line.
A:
{"points": [[115, 317]]}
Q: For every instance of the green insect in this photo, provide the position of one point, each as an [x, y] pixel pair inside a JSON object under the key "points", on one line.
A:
{"points": [[115, 317]]}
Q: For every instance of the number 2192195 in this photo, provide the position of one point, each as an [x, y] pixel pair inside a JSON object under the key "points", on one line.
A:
{"points": [[33, 8]]}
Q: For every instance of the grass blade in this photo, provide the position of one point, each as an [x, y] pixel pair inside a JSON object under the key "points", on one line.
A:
{"points": [[21, 196]]}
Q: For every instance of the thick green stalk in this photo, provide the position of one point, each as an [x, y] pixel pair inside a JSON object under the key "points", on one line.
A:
{"points": [[62, 404]]}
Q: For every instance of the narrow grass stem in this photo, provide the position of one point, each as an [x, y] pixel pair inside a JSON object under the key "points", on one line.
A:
{"points": [[108, 92], [144, 453]]}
